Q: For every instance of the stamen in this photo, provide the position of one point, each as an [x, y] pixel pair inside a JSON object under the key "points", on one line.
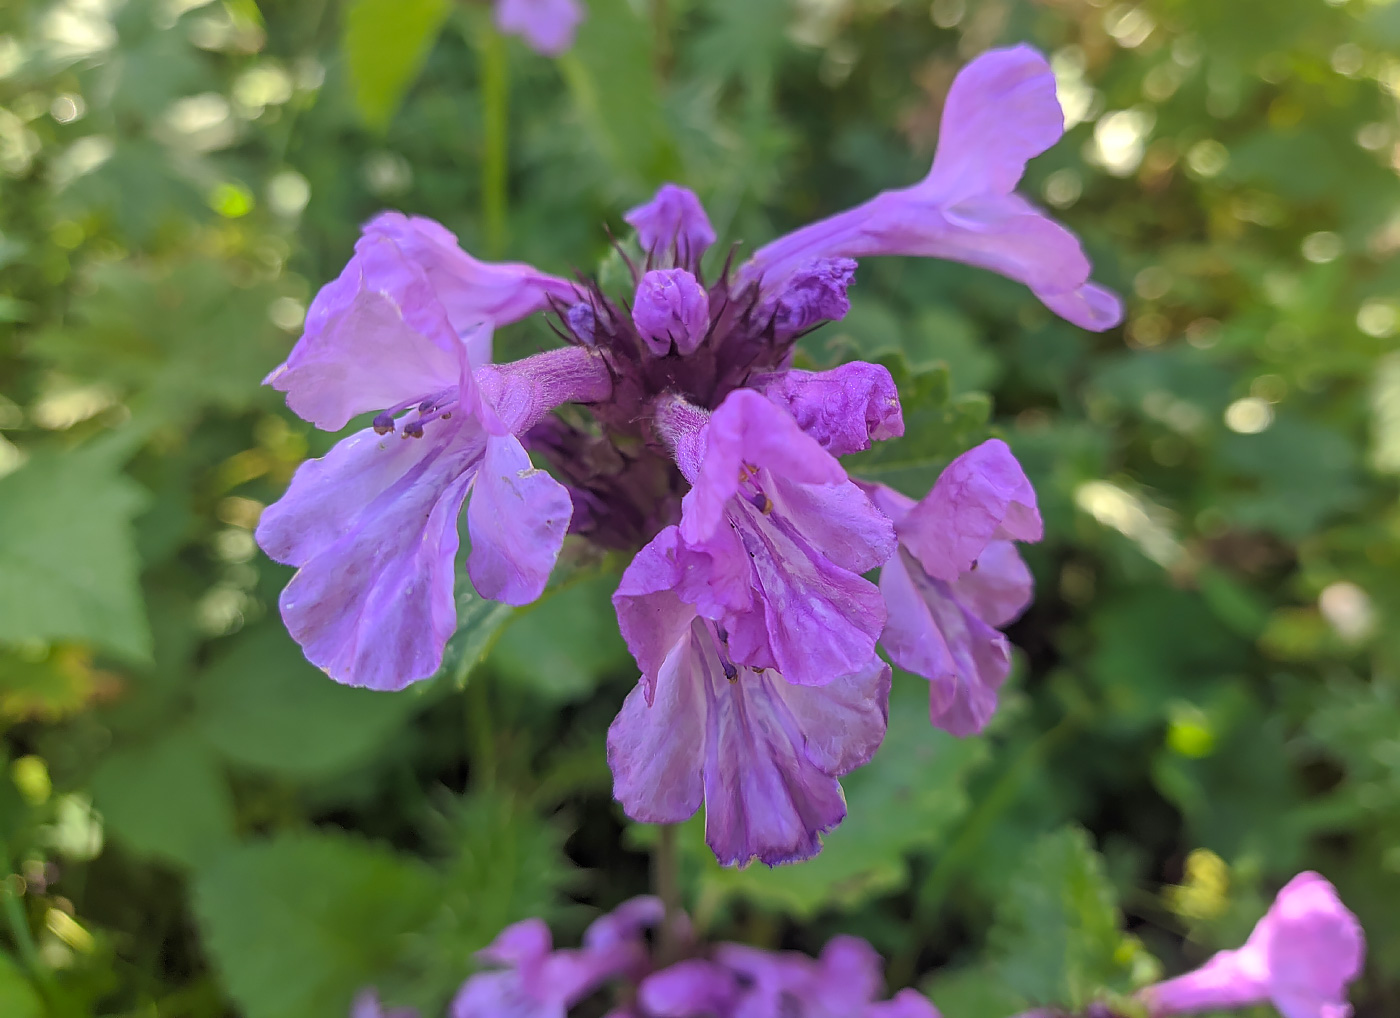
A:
{"points": [[761, 502], [384, 421], [720, 638]]}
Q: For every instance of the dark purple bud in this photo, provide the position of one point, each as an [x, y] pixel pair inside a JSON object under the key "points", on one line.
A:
{"points": [[671, 306], [583, 322], [673, 221], [813, 294]]}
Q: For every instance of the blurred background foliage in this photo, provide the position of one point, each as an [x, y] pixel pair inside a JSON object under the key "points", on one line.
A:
{"points": [[194, 822]]}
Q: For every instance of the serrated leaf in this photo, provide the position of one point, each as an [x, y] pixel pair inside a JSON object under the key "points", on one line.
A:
{"points": [[1057, 937], [905, 800], [262, 705], [385, 43], [299, 923], [167, 800], [68, 567]]}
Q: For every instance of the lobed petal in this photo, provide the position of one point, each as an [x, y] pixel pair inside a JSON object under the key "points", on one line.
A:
{"points": [[981, 496], [931, 633], [517, 519], [1001, 112], [372, 527], [375, 337]]}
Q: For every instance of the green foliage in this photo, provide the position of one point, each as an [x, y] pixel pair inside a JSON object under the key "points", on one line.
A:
{"points": [[193, 819], [385, 44], [296, 923], [68, 567]]}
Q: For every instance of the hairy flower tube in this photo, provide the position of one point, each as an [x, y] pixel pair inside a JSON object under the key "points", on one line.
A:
{"points": [[695, 444], [1300, 958]]}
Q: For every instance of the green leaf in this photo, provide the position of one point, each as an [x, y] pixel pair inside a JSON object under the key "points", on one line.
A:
{"points": [[299, 923], [177, 338], [905, 800], [611, 73], [261, 704], [18, 999], [564, 645], [68, 567], [1057, 937], [385, 44], [479, 625], [167, 800]]}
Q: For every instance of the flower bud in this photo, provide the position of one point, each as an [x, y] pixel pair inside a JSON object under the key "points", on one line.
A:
{"points": [[671, 306]]}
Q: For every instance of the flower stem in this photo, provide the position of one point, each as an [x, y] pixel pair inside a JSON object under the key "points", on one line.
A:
{"points": [[495, 114], [665, 878]]}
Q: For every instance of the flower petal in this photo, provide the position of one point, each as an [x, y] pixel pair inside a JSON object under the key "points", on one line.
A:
{"points": [[517, 519], [1001, 112], [469, 290], [372, 526], [650, 614], [981, 496], [656, 751], [931, 634], [673, 222], [999, 586], [374, 337], [748, 430], [844, 409], [764, 798]]}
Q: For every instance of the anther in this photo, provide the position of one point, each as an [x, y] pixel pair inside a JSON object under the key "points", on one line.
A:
{"points": [[761, 502]]}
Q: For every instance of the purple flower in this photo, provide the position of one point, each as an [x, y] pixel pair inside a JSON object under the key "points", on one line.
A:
{"points": [[814, 293], [773, 538], [366, 1005], [372, 526], [535, 981], [547, 26], [845, 409], [671, 307], [1300, 958], [745, 982], [409, 288], [1000, 112], [673, 226], [755, 635], [956, 578]]}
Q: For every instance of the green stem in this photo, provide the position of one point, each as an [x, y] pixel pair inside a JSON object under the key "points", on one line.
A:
{"points": [[483, 734], [495, 115], [665, 877]]}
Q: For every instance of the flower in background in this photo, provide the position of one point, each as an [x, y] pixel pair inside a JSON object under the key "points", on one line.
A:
{"points": [[367, 1005], [1300, 958], [547, 26], [698, 442], [719, 981]]}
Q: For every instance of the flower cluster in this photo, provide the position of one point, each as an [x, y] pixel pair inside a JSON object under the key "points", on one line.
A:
{"points": [[697, 441], [1300, 958]]}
